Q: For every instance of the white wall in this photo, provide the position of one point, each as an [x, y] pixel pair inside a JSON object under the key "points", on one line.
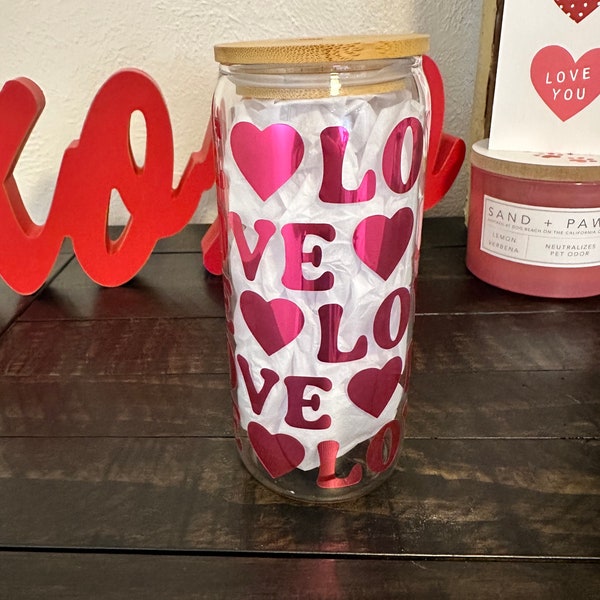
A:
{"points": [[70, 47]]}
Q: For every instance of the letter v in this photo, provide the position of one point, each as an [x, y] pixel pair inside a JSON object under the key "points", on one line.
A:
{"points": [[257, 397], [251, 259]]}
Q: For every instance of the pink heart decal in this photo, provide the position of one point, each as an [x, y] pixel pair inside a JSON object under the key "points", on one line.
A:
{"points": [[566, 86], [266, 158], [578, 10], [381, 242], [278, 453], [372, 389], [274, 324]]}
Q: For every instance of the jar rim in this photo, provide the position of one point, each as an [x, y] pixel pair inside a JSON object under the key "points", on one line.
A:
{"points": [[322, 49]]}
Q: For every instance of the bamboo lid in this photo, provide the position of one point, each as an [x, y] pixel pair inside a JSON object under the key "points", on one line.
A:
{"points": [[322, 50], [538, 166]]}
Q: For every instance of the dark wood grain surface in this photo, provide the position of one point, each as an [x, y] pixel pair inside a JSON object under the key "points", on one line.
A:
{"points": [[119, 477]]}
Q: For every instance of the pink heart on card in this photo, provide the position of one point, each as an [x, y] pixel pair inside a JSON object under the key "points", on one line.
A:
{"points": [[372, 389], [566, 86], [279, 453], [577, 10], [381, 242], [266, 158], [274, 324]]}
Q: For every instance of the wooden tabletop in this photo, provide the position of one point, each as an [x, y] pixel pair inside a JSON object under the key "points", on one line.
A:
{"points": [[119, 477]]}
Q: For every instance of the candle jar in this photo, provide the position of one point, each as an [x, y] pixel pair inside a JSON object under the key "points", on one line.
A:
{"points": [[534, 222], [321, 147]]}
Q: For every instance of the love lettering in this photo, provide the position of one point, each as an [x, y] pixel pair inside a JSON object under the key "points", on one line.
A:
{"points": [[99, 162], [567, 81], [378, 242]]}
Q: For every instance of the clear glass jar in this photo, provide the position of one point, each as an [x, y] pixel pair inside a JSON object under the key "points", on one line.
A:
{"points": [[321, 147]]}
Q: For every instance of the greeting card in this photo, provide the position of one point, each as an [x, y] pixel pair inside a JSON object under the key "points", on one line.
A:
{"points": [[548, 77]]}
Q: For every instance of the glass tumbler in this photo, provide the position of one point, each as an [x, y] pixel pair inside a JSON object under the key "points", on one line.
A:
{"points": [[321, 146]]}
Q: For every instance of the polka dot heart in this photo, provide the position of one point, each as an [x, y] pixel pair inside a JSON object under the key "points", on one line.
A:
{"points": [[578, 10]]}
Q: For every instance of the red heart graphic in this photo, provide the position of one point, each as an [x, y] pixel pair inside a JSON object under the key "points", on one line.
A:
{"points": [[381, 242], [267, 158], [577, 10], [372, 389], [566, 86], [274, 324], [278, 453]]}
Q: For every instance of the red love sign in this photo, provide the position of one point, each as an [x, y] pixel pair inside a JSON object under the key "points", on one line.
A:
{"points": [[98, 162]]}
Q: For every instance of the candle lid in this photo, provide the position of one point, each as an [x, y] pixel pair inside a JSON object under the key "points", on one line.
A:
{"points": [[322, 49], [539, 166]]}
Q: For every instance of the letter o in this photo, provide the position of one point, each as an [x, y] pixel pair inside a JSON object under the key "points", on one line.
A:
{"points": [[392, 155], [381, 322]]}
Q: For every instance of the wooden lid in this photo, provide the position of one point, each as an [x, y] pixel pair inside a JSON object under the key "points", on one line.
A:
{"points": [[320, 50], [539, 166]]}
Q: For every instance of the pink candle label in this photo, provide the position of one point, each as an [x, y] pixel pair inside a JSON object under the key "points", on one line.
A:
{"points": [[542, 236]]}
